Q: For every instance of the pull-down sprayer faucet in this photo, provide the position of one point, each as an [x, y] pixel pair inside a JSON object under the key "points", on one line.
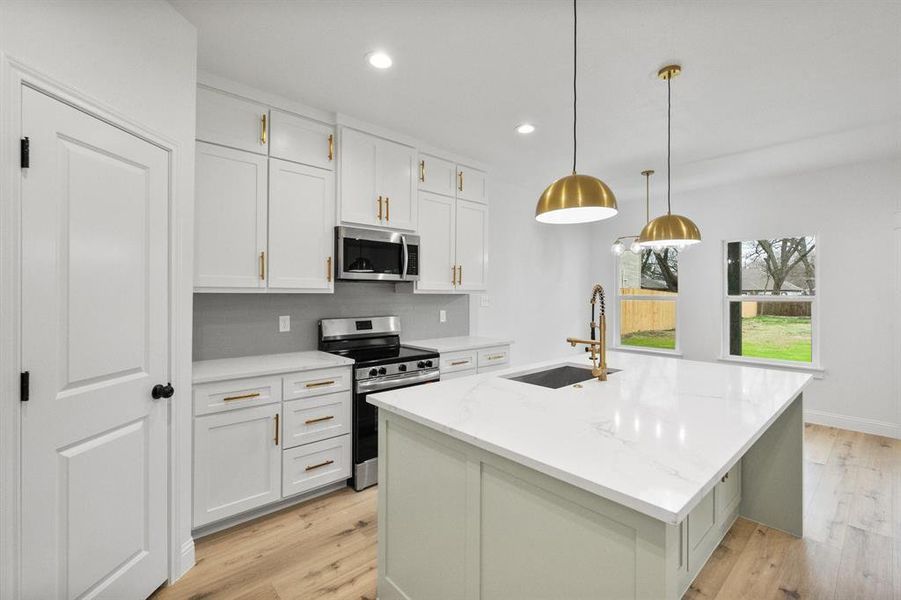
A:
{"points": [[597, 347]]}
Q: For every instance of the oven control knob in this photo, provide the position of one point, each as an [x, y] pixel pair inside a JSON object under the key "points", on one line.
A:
{"points": [[428, 364], [382, 370], [421, 364], [373, 372], [402, 368]]}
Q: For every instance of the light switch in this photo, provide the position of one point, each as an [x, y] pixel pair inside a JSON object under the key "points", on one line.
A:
{"points": [[442, 316], [284, 323]]}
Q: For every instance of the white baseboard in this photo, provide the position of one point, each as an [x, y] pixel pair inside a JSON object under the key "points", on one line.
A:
{"points": [[883, 428]]}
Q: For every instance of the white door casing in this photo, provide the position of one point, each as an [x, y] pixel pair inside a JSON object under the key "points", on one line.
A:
{"points": [[301, 226], [95, 339]]}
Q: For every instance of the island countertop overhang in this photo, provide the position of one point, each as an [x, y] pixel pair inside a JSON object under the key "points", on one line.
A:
{"points": [[655, 437]]}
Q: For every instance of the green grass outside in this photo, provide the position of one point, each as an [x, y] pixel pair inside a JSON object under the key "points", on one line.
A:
{"points": [[779, 338], [665, 339]]}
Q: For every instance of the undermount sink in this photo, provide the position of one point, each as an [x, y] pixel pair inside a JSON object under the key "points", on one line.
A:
{"points": [[557, 377]]}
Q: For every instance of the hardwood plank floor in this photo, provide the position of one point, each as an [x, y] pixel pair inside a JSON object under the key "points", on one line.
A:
{"points": [[326, 548]]}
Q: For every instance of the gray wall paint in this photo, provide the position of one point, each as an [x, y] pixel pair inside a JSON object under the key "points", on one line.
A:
{"points": [[228, 325]]}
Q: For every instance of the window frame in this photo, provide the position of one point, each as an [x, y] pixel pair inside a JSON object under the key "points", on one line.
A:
{"points": [[814, 300], [618, 297]]}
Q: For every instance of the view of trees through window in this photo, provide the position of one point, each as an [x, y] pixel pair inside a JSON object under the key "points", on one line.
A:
{"points": [[771, 285], [649, 284]]}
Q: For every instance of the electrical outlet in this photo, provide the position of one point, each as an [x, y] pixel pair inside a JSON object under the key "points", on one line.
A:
{"points": [[442, 316], [284, 323], [485, 301]]}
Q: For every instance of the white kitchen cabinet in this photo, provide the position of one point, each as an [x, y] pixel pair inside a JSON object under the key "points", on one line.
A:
{"points": [[437, 175], [471, 250], [437, 255], [471, 184], [317, 418], [315, 465], [237, 462], [232, 121], [301, 140], [377, 181], [301, 227], [230, 218]]}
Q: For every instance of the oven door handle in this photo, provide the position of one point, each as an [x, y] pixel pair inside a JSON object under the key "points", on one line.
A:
{"points": [[366, 387], [403, 240]]}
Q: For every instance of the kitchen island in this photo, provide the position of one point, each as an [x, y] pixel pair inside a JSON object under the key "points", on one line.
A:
{"points": [[492, 488]]}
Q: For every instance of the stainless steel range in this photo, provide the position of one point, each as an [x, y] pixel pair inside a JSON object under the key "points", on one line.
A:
{"points": [[382, 363]]}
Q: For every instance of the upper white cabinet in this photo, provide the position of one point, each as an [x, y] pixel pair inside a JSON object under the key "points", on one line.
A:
{"points": [[231, 121], [471, 184], [472, 255], [437, 175], [377, 181], [437, 257], [301, 140], [230, 207], [301, 222]]}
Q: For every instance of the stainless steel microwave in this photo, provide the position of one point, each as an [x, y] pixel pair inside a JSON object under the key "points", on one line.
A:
{"points": [[375, 255]]}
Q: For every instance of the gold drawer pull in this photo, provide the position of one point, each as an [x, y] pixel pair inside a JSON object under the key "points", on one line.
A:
{"points": [[319, 420], [422, 170], [241, 397], [320, 384], [322, 464], [263, 130], [331, 146], [457, 363], [276, 429], [495, 356]]}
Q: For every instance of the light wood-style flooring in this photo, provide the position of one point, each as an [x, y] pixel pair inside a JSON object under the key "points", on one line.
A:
{"points": [[851, 549]]}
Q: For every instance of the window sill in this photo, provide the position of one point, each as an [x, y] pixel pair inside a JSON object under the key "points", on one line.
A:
{"points": [[817, 371], [639, 350]]}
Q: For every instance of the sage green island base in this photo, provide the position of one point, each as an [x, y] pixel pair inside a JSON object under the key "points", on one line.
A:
{"points": [[460, 522]]}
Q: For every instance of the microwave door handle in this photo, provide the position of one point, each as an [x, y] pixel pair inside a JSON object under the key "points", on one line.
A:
{"points": [[403, 240]]}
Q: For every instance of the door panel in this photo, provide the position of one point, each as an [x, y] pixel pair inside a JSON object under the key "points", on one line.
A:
{"points": [[395, 167], [230, 219], [359, 198], [472, 231], [95, 340], [436, 230], [301, 226]]}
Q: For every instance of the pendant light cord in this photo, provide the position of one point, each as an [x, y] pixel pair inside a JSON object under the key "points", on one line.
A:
{"points": [[647, 198], [669, 127], [575, 54]]}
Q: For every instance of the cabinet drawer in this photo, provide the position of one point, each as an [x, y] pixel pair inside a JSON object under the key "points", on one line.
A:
{"points": [[728, 491], [236, 393], [231, 121], [316, 383], [458, 361], [317, 418], [302, 140], [314, 465], [492, 357]]}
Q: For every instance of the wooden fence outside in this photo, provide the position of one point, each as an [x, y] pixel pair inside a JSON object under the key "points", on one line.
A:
{"points": [[646, 315]]}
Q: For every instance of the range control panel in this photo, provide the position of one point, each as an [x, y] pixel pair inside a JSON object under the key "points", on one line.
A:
{"points": [[396, 368]]}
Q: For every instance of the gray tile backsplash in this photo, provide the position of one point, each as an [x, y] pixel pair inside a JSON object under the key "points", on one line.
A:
{"points": [[228, 325]]}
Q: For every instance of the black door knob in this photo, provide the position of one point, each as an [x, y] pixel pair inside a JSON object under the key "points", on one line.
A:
{"points": [[162, 391]]}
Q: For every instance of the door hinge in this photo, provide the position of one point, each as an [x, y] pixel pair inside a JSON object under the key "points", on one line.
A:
{"points": [[24, 387], [24, 147]]}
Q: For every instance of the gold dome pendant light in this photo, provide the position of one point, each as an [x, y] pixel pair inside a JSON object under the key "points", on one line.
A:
{"points": [[669, 230], [575, 198]]}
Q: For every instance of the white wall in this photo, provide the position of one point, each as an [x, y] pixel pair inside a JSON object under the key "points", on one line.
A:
{"points": [[539, 278], [136, 59], [852, 210]]}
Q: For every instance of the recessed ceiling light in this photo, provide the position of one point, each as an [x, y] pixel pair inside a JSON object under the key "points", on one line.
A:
{"points": [[525, 128], [379, 60]]}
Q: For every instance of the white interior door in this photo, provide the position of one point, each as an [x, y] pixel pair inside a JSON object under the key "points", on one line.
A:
{"points": [[436, 251], [301, 226], [472, 254], [95, 337]]}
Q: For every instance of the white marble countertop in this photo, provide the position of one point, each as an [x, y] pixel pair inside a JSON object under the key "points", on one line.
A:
{"points": [[458, 343], [223, 369], [655, 437]]}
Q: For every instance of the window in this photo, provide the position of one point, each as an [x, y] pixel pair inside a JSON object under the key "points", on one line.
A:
{"points": [[647, 297], [771, 300]]}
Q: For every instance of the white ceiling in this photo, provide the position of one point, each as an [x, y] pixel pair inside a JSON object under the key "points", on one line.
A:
{"points": [[768, 87]]}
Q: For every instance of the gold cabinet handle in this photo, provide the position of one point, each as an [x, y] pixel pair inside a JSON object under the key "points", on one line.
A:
{"points": [[320, 384], [460, 182], [264, 134], [331, 146], [328, 269], [319, 420], [460, 275], [457, 363], [387, 208], [276, 429], [241, 397], [380, 208], [322, 464], [263, 265], [495, 356], [454, 275], [422, 170]]}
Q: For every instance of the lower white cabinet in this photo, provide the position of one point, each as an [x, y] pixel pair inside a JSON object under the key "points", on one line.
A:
{"points": [[237, 462], [314, 465], [320, 417], [475, 361]]}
